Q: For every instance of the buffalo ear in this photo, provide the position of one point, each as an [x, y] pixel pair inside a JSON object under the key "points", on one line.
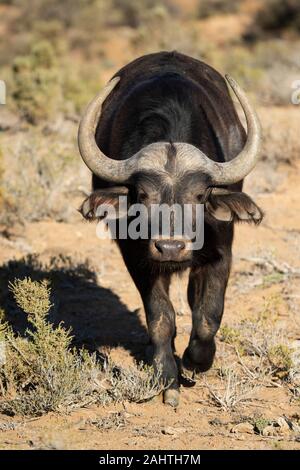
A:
{"points": [[234, 207], [90, 208]]}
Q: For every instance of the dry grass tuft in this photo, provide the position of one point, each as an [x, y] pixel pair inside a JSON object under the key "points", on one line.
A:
{"points": [[261, 347], [114, 420], [232, 389]]}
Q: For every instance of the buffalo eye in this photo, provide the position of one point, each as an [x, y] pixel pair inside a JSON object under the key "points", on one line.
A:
{"points": [[202, 198], [142, 196]]}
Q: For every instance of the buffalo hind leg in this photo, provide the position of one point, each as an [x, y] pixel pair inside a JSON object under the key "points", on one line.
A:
{"points": [[206, 291]]}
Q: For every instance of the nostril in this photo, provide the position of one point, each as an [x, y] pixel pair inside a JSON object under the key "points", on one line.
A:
{"points": [[159, 246], [180, 245]]}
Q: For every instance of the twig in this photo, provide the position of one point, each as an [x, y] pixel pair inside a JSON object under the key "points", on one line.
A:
{"points": [[241, 362]]}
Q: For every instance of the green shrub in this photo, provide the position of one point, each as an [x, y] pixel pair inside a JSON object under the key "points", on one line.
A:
{"points": [[36, 83], [280, 357], [42, 372], [229, 335], [233, 337], [259, 424], [79, 86]]}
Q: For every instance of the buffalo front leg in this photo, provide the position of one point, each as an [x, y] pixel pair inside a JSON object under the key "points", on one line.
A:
{"points": [[160, 315], [206, 291], [161, 326]]}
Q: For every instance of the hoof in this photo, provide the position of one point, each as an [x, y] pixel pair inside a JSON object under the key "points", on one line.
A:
{"points": [[171, 397], [191, 368]]}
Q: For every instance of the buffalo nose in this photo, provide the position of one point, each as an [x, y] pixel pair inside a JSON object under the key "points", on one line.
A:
{"points": [[170, 248]]}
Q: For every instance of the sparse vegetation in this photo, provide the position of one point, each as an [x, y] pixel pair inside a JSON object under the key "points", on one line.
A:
{"points": [[51, 175], [260, 424], [37, 90], [229, 335], [232, 389], [135, 13], [263, 342], [217, 7], [115, 420], [280, 357], [44, 88], [43, 372]]}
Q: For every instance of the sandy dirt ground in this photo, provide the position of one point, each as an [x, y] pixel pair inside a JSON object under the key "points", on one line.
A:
{"points": [[105, 313]]}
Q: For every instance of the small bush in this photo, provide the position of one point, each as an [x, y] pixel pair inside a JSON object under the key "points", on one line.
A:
{"points": [[115, 420], [263, 341], [43, 372], [217, 7], [259, 424], [232, 390], [133, 384], [280, 357], [36, 83], [134, 13], [231, 336]]}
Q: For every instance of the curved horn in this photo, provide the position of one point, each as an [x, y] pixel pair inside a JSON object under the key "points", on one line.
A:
{"points": [[101, 165], [236, 169], [120, 171]]}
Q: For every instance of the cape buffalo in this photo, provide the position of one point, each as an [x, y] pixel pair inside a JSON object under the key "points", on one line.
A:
{"points": [[164, 131]]}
